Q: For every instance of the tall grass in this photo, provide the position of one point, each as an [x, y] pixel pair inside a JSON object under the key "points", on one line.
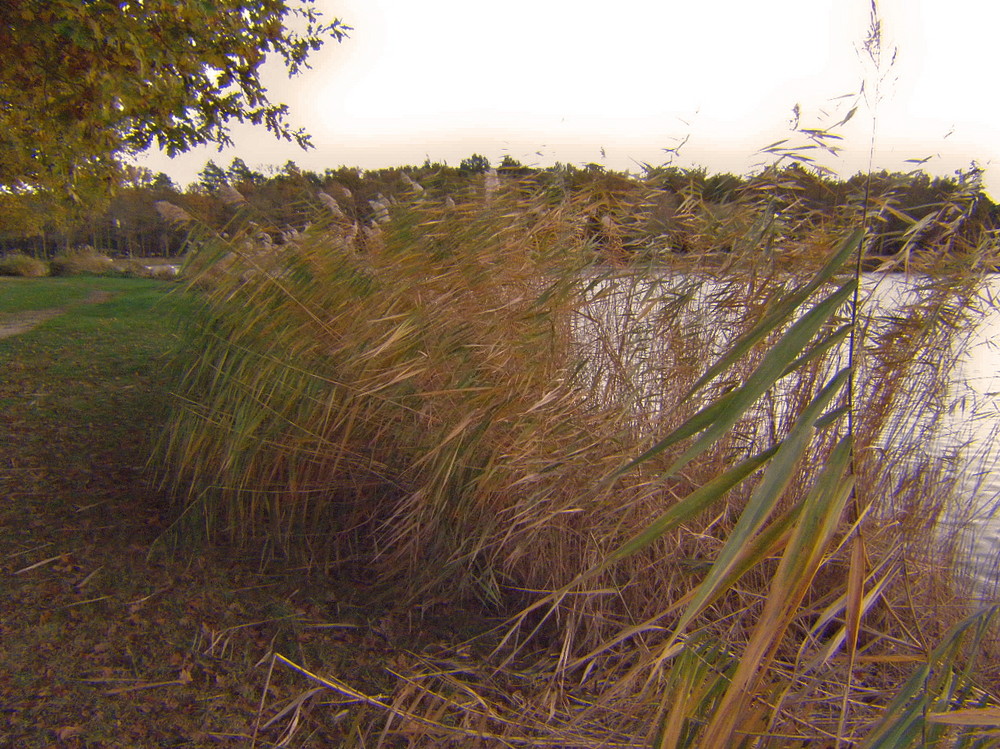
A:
{"points": [[647, 458]]}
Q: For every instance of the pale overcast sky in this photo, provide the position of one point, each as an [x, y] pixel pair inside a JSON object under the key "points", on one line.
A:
{"points": [[617, 83]]}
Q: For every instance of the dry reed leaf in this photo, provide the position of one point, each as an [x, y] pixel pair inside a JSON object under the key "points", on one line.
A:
{"points": [[173, 214], [980, 716], [432, 392], [231, 196], [331, 204]]}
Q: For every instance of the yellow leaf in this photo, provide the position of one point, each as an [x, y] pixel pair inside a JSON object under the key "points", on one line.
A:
{"points": [[982, 716]]}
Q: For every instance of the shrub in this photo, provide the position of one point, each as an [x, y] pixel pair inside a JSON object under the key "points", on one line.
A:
{"points": [[138, 269], [19, 264], [162, 272], [81, 261]]}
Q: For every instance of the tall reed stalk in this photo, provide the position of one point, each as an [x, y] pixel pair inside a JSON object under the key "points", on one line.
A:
{"points": [[640, 455]]}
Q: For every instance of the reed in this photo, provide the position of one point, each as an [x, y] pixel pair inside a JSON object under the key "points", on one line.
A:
{"points": [[626, 419]]}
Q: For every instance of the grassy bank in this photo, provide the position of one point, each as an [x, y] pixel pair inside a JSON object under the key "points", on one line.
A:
{"points": [[108, 639]]}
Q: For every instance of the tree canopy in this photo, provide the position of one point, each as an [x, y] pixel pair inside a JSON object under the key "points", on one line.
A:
{"points": [[85, 82]]}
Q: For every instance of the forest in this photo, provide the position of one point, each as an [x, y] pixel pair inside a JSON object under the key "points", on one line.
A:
{"points": [[661, 209]]}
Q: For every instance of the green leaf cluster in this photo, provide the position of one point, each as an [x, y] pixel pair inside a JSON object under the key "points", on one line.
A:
{"points": [[84, 83]]}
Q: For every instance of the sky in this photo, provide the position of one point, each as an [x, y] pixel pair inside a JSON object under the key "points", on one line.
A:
{"points": [[704, 83]]}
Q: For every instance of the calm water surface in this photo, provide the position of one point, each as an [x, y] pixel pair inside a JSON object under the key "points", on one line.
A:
{"points": [[975, 424], [967, 438]]}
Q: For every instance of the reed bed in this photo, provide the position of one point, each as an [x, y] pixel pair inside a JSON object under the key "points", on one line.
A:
{"points": [[694, 474]]}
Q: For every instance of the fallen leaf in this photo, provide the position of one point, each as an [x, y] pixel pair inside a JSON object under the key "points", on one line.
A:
{"points": [[68, 732]]}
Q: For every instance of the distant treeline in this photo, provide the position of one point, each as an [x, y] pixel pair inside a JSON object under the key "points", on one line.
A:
{"points": [[671, 208]]}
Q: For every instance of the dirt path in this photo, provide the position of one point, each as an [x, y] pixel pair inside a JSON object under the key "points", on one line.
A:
{"points": [[15, 323]]}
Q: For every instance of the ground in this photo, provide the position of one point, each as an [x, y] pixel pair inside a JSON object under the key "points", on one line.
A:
{"points": [[110, 634]]}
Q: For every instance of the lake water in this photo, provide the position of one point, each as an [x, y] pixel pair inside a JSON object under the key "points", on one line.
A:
{"points": [[622, 332], [975, 423], [967, 436]]}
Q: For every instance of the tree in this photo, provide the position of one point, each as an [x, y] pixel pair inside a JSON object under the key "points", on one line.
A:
{"points": [[212, 176], [85, 82], [163, 184], [475, 164], [240, 174]]}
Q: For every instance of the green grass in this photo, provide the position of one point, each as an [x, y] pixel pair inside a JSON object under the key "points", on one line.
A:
{"points": [[182, 631], [127, 335], [23, 294]]}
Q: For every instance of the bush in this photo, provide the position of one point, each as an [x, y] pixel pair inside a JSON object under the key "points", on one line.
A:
{"points": [[19, 264], [81, 261], [139, 269]]}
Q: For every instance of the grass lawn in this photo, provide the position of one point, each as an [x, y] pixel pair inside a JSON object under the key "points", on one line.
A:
{"points": [[109, 638], [22, 294]]}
